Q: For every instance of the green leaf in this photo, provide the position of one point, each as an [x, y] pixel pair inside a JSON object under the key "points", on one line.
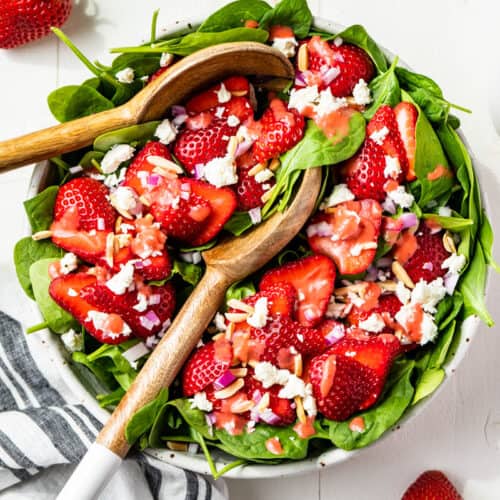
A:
{"points": [[238, 223], [454, 224], [190, 273], [357, 35], [142, 64], [26, 252], [234, 15], [380, 418], [385, 90], [448, 309], [430, 380], [88, 159], [58, 320], [137, 135], [109, 400], [143, 419], [73, 101], [486, 239], [440, 351], [292, 13], [194, 417], [413, 81], [40, 208], [240, 290]]}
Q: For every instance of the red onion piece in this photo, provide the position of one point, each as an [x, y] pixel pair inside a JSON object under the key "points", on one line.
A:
{"points": [[336, 333], [389, 206], [154, 299], [146, 323], [178, 110], [198, 171], [255, 215], [100, 224], [139, 264], [408, 220], [329, 75], [179, 120], [243, 147], [224, 380], [450, 282], [210, 418], [299, 79], [428, 266], [153, 180], [269, 417], [153, 317]]}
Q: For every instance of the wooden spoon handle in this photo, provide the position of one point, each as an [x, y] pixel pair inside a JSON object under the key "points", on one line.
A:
{"points": [[62, 138], [168, 357]]}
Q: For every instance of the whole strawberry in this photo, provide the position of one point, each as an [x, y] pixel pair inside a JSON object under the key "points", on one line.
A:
{"points": [[22, 21], [432, 485]]}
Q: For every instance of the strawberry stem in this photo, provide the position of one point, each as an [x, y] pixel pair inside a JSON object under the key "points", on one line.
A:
{"points": [[37, 328], [154, 22]]}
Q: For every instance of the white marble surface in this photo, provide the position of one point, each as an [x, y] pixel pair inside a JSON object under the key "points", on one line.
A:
{"points": [[453, 41]]}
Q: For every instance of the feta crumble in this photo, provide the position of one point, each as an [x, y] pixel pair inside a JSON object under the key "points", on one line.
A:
{"points": [[294, 387], [264, 175], [269, 375], [166, 59], [223, 95], [392, 167], [374, 323], [428, 329], [118, 154], [126, 75], [379, 135], [125, 199], [113, 180], [309, 402], [72, 341], [428, 294], [121, 281], [286, 45], [258, 318], [68, 263], [402, 293], [328, 103], [454, 263], [361, 93], [220, 322], [302, 98], [166, 132], [233, 121], [220, 172], [142, 303], [135, 353], [340, 194], [201, 402], [400, 197]]}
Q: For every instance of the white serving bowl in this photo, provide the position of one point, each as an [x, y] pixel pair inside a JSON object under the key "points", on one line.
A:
{"points": [[85, 386]]}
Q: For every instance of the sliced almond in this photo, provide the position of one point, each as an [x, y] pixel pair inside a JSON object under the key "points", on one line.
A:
{"points": [[388, 286], [236, 317], [239, 372], [229, 331], [449, 242], [267, 195], [41, 235], [264, 402], [159, 161], [118, 224], [297, 365], [299, 408], [239, 93], [232, 145], [274, 165], [240, 306], [346, 290], [242, 406], [230, 390], [110, 249], [144, 201], [121, 211], [401, 274], [303, 58], [256, 169], [176, 446]]}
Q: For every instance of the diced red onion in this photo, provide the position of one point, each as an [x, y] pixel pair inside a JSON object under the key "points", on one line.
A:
{"points": [[100, 224], [255, 215], [384, 262], [75, 169], [178, 110], [428, 266], [330, 75], [338, 57], [224, 380], [243, 147], [299, 79], [179, 120], [408, 220], [139, 264], [210, 418], [198, 171], [146, 323], [147, 262], [389, 205], [336, 333], [154, 299], [153, 180], [269, 417], [153, 317], [450, 282], [371, 274]]}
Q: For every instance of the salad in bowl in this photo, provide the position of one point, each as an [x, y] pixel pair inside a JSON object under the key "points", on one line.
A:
{"points": [[339, 336]]}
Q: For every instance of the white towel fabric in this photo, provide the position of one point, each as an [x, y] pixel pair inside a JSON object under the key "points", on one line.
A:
{"points": [[42, 433]]}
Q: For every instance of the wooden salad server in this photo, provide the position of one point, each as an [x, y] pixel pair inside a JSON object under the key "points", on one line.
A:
{"points": [[231, 260], [187, 76]]}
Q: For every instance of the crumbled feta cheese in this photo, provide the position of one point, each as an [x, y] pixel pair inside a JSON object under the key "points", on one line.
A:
{"points": [[258, 318], [113, 180], [223, 95], [269, 375], [191, 257], [329, 103], [68, 263], [118, 154], [355, 299], [97, 318], [294, 387], [309, 402], [166, 132], [337, 310], [221, 172], [285, 45], [392, 167], [337, 41], [402, 293], [428, 294], [233, 121], [374, 323], [357, 248], [72, 341], [445, 211], [136, 352], [339, 194], [361, 93], [166, 59], [302, 98], [219, 111], [264, 175], [379, 135], [142, 302], [220, 322], [121, 281], [454, 263], [406, 318], [201, 402], [125, 199], [400, 197], [126, 75]]}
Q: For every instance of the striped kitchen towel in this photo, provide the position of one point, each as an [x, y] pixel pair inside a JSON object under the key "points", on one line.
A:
{"points": [[42, 433]]}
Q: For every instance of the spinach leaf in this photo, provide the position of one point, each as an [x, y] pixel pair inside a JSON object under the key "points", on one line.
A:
{"points": [[414, 81], [234, 15], [429, 381], [240, 290], [486, 239], [26, 252], [57, 319], [190, 273], [385, 90], [455, 224], [88, 159], [73, 101], [380, 418], [142, 420], [357, 35], [238, 223], [142, 64], [440, 351], [448, 309], [136, 135], [194, 417], [40, 208], [109, 400], [292, 13]]}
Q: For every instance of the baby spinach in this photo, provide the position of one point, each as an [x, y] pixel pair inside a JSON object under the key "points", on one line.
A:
{"points": [[26, 252], [486, 239], [238, 223], [234, 15], [57, 319], [189, 272], [454, 224], [142, 64], [293, 13], [385, 90], [136, 135], [240, 290], [357, 35], [194, 417], [40, 208], [430, 380], [90, 157], [380, 418]]}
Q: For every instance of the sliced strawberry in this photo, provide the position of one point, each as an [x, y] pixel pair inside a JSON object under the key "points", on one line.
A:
{"points": [[377, 353], [406, 117], [281, 299], [144, 317], [353, 63], [281, 129], [388, 306], [432, 485], [140, 169], [313, 277], [331, 329], [348, 234], [198, 147], [66, 291], [364, 172], [89, 197], [248, 191], [340, 385], [384, 125], [203, 368], [157, 73], [425, 264]]}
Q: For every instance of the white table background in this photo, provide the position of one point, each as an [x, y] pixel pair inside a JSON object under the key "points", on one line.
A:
{"points": [[453, 41]]}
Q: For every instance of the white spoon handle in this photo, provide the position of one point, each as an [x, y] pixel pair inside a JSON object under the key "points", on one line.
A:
{"points": [[91, 475]]}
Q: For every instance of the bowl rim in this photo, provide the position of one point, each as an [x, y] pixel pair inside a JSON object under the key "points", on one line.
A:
{"points": [[51, 345]]}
